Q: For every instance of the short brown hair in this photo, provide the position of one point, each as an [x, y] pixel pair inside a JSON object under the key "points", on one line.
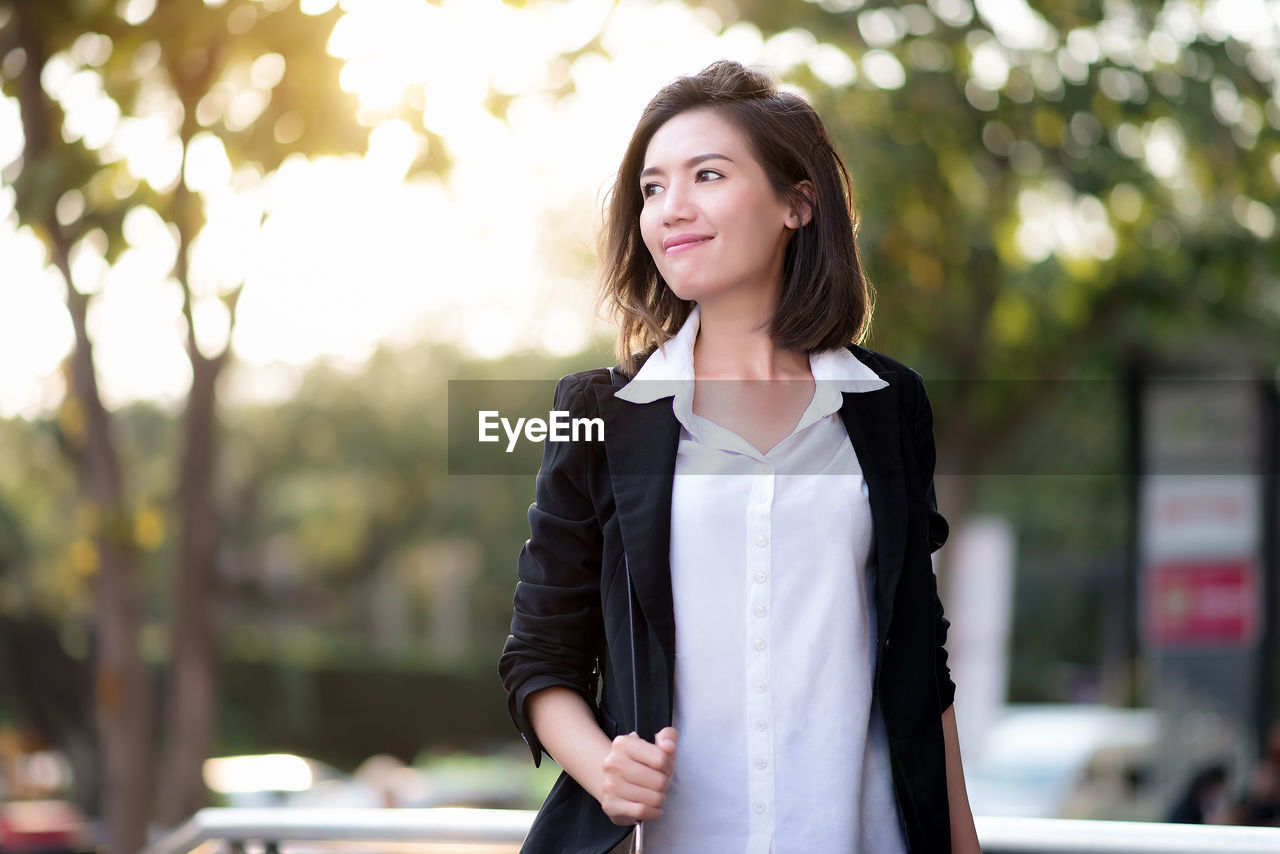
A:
{"points": [[826, 299]]}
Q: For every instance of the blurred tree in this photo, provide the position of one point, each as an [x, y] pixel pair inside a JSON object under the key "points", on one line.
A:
{"points": [[253, 80], [344, 489], [51, 168], [1045, 190]]}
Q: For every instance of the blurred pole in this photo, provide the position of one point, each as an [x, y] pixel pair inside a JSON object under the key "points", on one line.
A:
{"points": [[1269, 404], [980, 609], [1205, 444], [1120, 678]]}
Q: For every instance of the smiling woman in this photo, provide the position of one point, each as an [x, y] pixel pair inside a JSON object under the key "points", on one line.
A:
{"points": [[735, 243], [762, 174], [744, 617]]}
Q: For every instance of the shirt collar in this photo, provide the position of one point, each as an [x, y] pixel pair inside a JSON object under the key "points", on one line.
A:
{"points": [[668, 372]]}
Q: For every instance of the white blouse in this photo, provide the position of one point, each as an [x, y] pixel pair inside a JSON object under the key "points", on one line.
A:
{"points": [[782, 749]]}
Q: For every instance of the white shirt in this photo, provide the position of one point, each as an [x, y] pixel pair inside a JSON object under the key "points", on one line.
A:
{"points": [[781, 749]]}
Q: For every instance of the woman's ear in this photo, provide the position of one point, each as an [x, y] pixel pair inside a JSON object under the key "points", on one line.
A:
{"points": [[802, 211]]}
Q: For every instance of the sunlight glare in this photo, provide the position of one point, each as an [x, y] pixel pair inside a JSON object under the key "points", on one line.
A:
{"points": [[150, 149], [207, 166], [563, 333], [1248, 21], [338, 255], [1054, 220], [213, 325], [35, 329], [393, 145], [11, 136], [136, 12], [229, 246], [1017, 25], [88, 262], [489, 332], [136, 327], [316, 7], [142, 226], [90, 114], [883, 70]]}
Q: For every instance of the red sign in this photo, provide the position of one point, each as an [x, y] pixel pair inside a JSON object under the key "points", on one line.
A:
{"points": [[1202, 603]]}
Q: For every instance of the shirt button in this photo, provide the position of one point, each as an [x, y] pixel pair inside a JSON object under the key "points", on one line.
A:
{"points": [[759, 644], [759, 687], [761, 764], [762, 541], [762, 498], [760, 576], [759, 808], [761, 610], [761, 726]]}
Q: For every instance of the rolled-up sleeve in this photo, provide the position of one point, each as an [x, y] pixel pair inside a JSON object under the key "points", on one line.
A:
{"points": [[556, 622], [926, 456]]}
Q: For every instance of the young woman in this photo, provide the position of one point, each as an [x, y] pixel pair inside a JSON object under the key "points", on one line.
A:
{"points": [[727, 626]]}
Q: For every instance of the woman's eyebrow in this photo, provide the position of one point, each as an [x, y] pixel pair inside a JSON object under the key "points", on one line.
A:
{"points": [[688, 164]]}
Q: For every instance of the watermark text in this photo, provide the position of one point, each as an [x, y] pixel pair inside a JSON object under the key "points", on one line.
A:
{"points": [[557, 427]]}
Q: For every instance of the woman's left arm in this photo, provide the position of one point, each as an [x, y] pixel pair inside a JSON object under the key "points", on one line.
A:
{"points": [[964, 836]]}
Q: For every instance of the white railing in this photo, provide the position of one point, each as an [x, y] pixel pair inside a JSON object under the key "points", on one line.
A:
{"points": [[225, 829], [444, 826], [1076, 836]]}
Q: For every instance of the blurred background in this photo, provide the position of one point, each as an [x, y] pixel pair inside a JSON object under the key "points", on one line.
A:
{"points": [[246, 244]]}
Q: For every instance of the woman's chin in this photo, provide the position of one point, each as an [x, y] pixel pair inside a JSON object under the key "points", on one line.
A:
{"points": [[691, 291]]}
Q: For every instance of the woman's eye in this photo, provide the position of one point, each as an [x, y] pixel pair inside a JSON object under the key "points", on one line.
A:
{"points": [[647, 190]]}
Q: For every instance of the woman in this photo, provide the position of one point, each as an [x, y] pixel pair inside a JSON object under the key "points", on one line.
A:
{"points": [[727, 626]]}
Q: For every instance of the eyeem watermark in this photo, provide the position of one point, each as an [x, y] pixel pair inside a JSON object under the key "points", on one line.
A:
{"points": [[557, 427]]}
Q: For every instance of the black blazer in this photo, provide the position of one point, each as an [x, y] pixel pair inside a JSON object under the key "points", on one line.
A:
{"points": [[600, 504]]}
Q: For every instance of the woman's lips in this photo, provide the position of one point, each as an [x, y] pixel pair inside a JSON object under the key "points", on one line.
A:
{"points": [[681, 247]]}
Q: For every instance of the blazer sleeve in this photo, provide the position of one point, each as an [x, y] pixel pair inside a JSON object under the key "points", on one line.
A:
{"points": [[556, 622], [926, 456]]}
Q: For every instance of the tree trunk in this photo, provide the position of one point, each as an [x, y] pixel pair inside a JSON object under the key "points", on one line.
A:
{"points": [[192, 700], [122, 707], [192, 697]]}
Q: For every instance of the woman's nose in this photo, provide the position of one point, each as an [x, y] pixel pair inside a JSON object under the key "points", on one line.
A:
{"points": [[677, 204]]}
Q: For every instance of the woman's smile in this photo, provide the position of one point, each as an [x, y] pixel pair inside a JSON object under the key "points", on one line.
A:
{"points": [[684, 242]]}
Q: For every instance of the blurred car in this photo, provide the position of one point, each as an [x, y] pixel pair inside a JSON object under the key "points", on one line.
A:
{"points": [[1067, 761], [40, 827], [284, 780]]}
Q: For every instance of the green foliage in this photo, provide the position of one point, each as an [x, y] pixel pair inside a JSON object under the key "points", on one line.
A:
{"points": [[1165, 142], [1035, 213]]}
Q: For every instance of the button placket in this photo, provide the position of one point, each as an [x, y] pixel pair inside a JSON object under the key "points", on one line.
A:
{"points": [[759, 698]]}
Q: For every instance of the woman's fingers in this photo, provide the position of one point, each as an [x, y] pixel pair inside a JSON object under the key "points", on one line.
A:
{"points": [[626, 792], [629, 813], [646, 753], [644, 777], [636, 776]]}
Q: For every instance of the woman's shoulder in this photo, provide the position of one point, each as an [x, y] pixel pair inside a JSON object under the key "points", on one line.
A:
{"points": [[881, 363], [614, 375], [575, 390]]}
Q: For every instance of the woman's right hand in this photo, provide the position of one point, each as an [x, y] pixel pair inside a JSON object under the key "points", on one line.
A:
{"points": [[636, 776]]}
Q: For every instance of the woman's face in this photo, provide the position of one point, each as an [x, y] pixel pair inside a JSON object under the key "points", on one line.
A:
{"points": [[711, 219]]}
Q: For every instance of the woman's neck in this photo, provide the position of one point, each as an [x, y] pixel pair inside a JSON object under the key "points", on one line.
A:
{"points": [[733, 343]]}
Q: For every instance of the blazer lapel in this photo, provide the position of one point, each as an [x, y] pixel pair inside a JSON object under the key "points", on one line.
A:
{"points": [[641, 440], [871, 418]]}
